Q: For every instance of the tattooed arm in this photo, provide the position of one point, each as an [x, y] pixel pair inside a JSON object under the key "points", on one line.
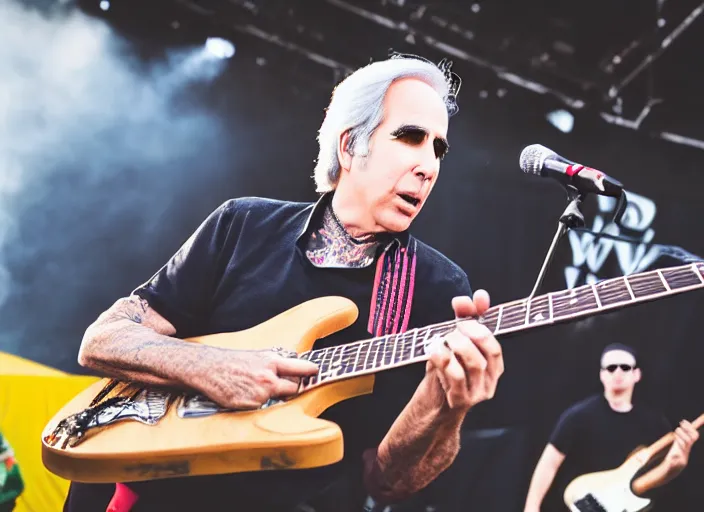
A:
{"points": [[131, 341], [422, 443], [424, 440]]}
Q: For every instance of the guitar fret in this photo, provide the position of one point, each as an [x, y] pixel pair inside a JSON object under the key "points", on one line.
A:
{"points": [[682, 277], [488, 319], [313, 356], [409, 344], [514, 315], [526, 321], [571, 302], [630, 290], [539, 310], [349, 361], [366, 355], [664, 282], [613, 291], [341, 365], [393, 350], [378, 343], [498, 320], [698, 271], [356, 359], [550, 304], [336, 361], [421, 348], [325, 362], [644, 285], [355, 365], [388, 358], [596, 296], [405, 338], [413, 343]]}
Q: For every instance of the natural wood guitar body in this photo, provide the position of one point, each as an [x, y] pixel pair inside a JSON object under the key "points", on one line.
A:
{"points": [[284, 436]]}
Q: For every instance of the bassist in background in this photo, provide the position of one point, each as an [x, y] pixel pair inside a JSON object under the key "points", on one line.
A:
{"points": [[381, 143], [600, 432]]}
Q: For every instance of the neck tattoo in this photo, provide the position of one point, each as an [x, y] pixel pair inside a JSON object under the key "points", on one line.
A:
{"points": [[331, 246]]}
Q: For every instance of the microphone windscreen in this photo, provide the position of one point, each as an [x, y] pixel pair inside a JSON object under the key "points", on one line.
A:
{"points": [[533, 157]]}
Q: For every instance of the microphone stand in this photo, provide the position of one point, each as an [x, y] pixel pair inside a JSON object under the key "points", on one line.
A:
{"points": [[572, 217]]}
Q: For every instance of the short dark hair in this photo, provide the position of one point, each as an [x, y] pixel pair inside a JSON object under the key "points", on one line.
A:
{"points": [[619, 346]]}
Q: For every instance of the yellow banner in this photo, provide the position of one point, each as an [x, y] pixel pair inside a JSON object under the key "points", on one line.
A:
{"points": [[30, 395]]}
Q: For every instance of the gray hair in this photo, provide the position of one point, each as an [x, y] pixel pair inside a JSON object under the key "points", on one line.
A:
{"points": [[357, 105]]}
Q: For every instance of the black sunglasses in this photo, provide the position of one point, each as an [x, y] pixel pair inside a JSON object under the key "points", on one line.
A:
{"points": [[612, 367]]}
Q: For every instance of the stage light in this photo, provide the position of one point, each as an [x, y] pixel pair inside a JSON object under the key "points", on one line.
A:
{"points": [[219, 48], [562, 120], [104, 5]]}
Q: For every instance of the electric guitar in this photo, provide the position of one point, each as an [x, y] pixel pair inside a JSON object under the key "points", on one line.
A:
{"points": [[118, 431], [616, 490]]}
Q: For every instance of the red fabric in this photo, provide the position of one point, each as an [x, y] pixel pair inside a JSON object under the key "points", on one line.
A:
{"points": [[123, 500]]}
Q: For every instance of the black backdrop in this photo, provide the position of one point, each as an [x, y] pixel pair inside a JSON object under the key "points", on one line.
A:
{"points": [[484, 213]]}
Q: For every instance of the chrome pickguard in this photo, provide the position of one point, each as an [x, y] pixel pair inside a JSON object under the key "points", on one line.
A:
{"points": [[147, 406]]}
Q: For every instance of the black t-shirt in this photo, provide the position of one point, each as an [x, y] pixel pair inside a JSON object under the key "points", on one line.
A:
{"points": [[246, 264], [594, 437]]}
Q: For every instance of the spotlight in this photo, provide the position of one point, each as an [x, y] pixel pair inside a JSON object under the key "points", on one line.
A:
{"points": [[104, 5], [219, 48], [562, 120]]}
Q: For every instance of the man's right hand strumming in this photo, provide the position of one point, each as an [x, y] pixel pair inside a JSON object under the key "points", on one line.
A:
{"points": [[131, 341]]}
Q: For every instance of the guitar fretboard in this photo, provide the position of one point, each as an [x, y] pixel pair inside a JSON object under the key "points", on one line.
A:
{"points": [[393, 350]]}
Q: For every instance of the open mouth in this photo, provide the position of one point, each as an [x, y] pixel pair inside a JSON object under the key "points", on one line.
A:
{"points": [[410, 199]]}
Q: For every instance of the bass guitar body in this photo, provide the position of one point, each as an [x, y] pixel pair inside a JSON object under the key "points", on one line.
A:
{"points": [[607, 491], [119, 431]]}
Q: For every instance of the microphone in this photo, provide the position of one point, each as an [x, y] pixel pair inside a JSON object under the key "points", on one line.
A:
{"points": [[541, 161]]}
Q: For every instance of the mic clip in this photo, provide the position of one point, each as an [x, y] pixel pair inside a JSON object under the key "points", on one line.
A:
{"points": [[573, 217]]}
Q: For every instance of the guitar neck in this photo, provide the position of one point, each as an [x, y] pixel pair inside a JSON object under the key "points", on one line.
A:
{"points": [[394, 350], [656, 476], [665, 441]]}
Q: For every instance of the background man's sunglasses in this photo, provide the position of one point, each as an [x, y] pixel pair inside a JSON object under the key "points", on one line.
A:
{"points": [[612, 367]]}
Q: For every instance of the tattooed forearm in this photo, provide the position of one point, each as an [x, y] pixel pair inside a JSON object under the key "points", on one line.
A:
{"points": [[156, 361], [131, 341], [419, 446]]}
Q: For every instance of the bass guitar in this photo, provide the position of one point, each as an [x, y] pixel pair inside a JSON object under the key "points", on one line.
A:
{"points": [[118, 431], [618, 490]]}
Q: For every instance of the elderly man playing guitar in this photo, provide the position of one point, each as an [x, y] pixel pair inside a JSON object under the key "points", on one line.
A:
{"points": [[381, 143]]}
